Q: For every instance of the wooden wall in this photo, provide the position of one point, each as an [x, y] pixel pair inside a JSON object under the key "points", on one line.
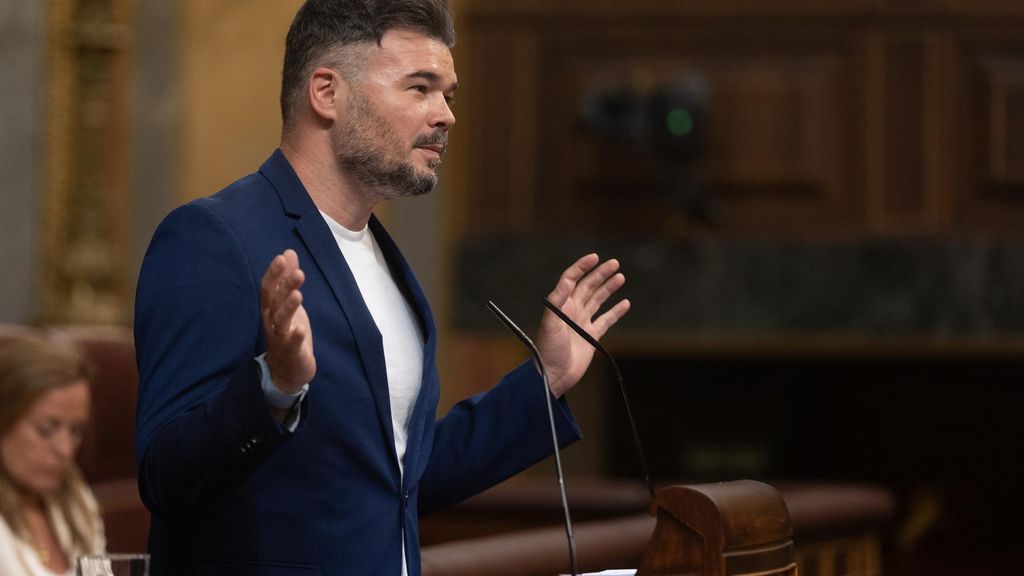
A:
{"points": [[856, 118], [889, 124], [827, 121]]}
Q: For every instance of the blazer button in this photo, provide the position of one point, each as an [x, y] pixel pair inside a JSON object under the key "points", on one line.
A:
{"points": [[249, 445]]}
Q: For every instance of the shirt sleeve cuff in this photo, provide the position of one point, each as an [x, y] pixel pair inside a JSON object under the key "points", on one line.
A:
{"points": [[281, 400]]}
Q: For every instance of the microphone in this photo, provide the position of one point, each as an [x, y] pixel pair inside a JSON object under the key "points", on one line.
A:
{"points": [[554, 435], [622, 387]]}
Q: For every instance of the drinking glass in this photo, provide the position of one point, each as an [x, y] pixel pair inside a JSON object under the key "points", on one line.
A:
{"points": [[113, 565]]}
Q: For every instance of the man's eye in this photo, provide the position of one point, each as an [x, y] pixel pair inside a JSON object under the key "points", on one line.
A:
{"points": [[420, 88]]}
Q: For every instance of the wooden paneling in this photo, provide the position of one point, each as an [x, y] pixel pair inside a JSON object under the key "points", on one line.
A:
{"points": [[777, 131], [894, 118], [903, 133], [503, 128], [989, 120], [854, 556], [782, 113]]}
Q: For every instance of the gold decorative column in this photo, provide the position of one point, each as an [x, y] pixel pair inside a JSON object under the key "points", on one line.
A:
{"points": [[85, 215]]}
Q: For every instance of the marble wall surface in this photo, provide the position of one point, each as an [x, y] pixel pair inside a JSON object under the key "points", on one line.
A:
{"points": [[20, 59], [907, 288]]}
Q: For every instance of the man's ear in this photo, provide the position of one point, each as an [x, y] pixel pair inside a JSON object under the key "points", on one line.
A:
{"points": [[326, 89]]}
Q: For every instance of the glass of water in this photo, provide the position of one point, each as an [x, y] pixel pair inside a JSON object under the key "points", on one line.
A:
{"points": [[113, 565]]}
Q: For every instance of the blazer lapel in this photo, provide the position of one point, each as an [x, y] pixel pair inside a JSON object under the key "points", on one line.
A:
{"points": [[410, 287], [318, 239]]}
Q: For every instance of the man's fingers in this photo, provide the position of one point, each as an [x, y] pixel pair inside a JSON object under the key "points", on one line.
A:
{"points": [[279, 292], [273, 287], [270, 279], [605, 321], [560, 294], [297, 336], [603, 293], [291, 282], [290, 298], [285, 322], [281, 318], [587, 284], [567, 281], [595, 279], [579, 270]]}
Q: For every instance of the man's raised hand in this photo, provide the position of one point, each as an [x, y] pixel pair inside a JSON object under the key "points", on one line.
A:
{"points": [[286, 325], [581, 291]]}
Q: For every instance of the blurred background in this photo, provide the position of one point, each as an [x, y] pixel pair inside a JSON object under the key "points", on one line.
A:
{"points": [[818, 205]]}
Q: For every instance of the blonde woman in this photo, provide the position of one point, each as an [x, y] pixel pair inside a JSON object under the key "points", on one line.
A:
{"points": [[48, 515]]}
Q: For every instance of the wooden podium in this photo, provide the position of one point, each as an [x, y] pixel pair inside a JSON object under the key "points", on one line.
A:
{"points": [[725, 529], [739, 528]]}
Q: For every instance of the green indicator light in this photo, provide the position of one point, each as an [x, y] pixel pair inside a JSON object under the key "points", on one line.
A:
{"points": [[679, 121]]}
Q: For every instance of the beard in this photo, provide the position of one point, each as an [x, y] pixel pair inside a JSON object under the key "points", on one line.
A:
{"points": [[367, 147]]}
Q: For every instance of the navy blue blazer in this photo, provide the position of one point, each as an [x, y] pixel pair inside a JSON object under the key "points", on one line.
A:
{"points": [[231, 491]]}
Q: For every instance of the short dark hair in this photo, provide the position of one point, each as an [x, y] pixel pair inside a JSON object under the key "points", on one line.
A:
{"points": [[322, 26]]}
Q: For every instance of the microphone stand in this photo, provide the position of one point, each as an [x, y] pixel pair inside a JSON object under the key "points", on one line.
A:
{"points": [[622, 386], [551, 419]]}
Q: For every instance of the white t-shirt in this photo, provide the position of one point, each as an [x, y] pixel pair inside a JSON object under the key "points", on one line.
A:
{"points": [[399, 328]]}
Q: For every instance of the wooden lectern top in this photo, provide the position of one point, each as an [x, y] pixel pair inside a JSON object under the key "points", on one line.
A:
{"points": [[724, 529]]}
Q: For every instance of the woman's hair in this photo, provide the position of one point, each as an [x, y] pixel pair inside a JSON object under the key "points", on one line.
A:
{"points": [[29, 368]]}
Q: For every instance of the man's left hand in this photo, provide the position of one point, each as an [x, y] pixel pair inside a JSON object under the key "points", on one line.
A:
{"points": [[581, 291]]}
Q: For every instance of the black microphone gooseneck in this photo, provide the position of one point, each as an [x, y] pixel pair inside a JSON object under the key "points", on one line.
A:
{"points": [[622, 387], [554, 435]]}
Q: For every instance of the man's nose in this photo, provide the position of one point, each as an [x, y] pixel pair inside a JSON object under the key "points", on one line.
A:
{"points": [[443, 118]]}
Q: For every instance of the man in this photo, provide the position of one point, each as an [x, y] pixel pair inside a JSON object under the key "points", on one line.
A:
{"points": [[286, 352]]}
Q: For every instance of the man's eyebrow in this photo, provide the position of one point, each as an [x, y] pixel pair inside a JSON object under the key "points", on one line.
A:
{"points": [[431, 77]]}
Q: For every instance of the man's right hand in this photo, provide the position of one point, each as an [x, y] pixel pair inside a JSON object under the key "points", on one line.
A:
{"points": [[286, 325]]}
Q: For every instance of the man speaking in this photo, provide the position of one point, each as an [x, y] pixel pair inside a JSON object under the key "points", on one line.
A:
{"points": [[288, 386]]}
